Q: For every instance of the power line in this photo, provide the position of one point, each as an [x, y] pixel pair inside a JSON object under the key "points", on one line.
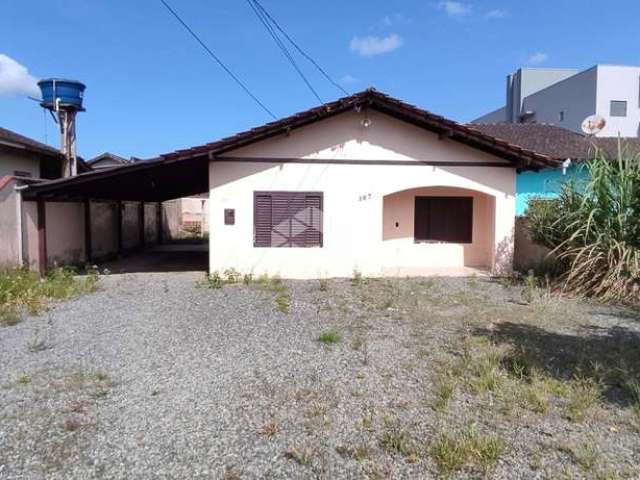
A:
{"points": [[215, 57], [299, 49], [283, 48]]}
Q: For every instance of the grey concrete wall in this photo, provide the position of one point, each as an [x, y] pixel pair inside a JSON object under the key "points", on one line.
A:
{"points": [[65, 227], [130, 225], [575, 96], [104, 230], [171, 219], [527, 255], [528, 81], [30, 234], [65, 233], [9, 241], [151, 223], [497, 116]]}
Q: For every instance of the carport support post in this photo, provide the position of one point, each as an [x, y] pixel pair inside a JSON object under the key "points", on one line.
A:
{"points": [[119, 225], [87, 230], [141, 223], [159, 222], [42, 237]]}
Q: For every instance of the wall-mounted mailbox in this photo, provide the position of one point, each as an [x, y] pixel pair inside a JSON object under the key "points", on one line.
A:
{"points": [[229, 216]]}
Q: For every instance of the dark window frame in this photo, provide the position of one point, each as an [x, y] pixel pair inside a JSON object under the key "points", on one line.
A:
{"points": [[319, 196], [619, 103], [464, 236]]}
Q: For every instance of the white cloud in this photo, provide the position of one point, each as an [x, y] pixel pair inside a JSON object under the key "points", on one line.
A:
{"points": [[372, 45], [497, 13], [455, 9], [16, 79], [537, 58], [395, 19], [349, 80]]}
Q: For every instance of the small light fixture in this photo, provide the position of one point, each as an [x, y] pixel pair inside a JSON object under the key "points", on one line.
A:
{"points": [[366, 122]]}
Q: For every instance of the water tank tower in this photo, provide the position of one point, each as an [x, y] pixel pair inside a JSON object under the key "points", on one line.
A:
{"points": [[64, 99]]}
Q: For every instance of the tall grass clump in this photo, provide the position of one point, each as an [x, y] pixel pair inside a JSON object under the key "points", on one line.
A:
{"points": [[23, 291], [593, 229]]}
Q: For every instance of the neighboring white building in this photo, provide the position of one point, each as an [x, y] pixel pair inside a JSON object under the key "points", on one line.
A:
{"points": [[566, 97]]}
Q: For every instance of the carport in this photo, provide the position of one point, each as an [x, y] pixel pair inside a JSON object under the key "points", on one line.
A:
{"points": [[75, 215]]}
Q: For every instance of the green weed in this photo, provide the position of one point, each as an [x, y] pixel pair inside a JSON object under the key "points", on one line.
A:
{"points": [[330, 337]]}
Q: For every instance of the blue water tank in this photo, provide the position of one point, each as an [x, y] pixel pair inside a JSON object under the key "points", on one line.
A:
{"points": [[69, 93]]}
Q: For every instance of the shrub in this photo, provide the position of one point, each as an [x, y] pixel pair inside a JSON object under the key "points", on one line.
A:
{"points": [[214, 280], [283, 302], [453, 451], [23, 291], [593, 229]]}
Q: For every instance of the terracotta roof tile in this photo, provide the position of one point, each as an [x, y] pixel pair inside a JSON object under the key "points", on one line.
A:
{"points": [[375, 100], [555, 142], [27, 143]]}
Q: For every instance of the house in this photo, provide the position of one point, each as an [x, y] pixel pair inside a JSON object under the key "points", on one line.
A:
{"points": [[568, 148], [565, 97], [22, 161], [367, 183], [107, 160], [24, 157]]}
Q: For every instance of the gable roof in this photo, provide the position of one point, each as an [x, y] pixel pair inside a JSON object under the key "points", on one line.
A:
{"points": [[556, 142], [107, 156], [185, 172], [372, 99], [15, 140]]}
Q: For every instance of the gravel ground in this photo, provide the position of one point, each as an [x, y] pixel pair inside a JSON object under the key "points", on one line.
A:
{"points": [[157, 376]]}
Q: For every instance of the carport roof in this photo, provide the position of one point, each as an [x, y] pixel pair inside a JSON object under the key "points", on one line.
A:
{"points": [[185, 172], [154, 180]]}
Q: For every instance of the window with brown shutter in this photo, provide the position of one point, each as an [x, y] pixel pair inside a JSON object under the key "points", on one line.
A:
{"points": [[287, 219], [443, 219]]}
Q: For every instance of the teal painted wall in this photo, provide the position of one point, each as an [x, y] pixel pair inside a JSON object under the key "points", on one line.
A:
{"points": [[543, 184]]}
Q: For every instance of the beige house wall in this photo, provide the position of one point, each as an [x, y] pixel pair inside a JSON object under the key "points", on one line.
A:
{"points": [[402, 255], [354, 199], [11, 162]]}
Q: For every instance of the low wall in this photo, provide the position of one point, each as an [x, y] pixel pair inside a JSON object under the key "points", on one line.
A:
{"points": [[172, 220], [131, 234], [65, 229], [104, 230], [151, 223], [65, 233], [9, 240], [527, 255]]}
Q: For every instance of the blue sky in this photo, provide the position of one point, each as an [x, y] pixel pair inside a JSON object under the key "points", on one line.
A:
{"points": [[151, 89]]}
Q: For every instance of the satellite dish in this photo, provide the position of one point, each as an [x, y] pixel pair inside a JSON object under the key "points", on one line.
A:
{"points": [[593, 124]]}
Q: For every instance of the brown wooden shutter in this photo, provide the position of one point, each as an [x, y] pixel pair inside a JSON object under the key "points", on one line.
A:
{"points": [[287, 219], [262, 221], [444, 219], [313, 234], [421, 219]]}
